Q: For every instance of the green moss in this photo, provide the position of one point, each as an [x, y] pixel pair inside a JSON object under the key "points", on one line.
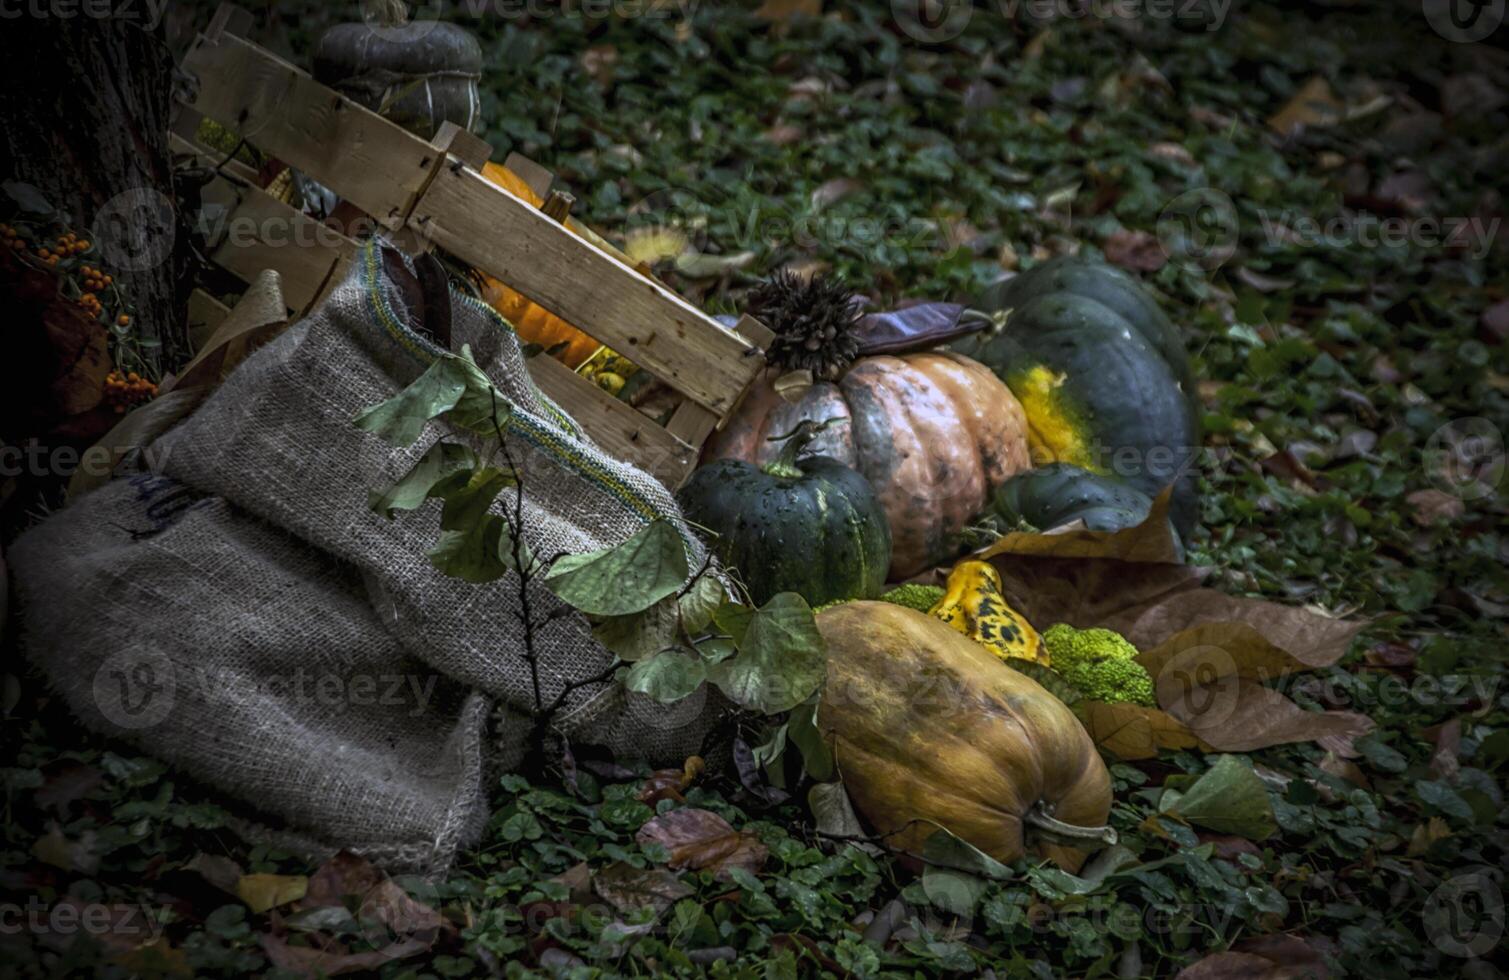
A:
{"points": [[1100, 663], [914, 596]]}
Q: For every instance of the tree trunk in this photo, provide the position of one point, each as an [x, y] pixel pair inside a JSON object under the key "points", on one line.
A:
{"points": [[85, 122]]}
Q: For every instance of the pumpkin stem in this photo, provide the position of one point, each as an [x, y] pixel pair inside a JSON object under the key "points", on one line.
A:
{"points": [[794, 442], [1039, 817]]}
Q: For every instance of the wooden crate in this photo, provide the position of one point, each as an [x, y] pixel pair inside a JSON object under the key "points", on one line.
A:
{"points": [[427, 194]]}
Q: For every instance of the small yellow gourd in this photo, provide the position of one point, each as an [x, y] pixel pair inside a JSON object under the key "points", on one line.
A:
{"points": [[975, 605]]}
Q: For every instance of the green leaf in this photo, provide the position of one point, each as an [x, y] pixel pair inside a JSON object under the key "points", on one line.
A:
{"points": [[401, 419], [700, 603], [834, 814], [946, 850], [466, 506], [624, 579], [1229, 799], [802, 729], [473, 554], [952, 891], [642, 634], [733, 618], [669, 675], [781, 661], [430, 477]]}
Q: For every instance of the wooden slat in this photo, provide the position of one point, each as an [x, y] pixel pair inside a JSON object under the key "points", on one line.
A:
{"points": [[486, 226], [371, 162], [261, 232], [462, 144], [206, 313], [205, 156], [690, 422], [535, 177], [618, 428]]}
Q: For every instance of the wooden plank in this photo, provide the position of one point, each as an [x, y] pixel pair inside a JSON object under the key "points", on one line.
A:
{"points": [[617, 427], [462, 144], [373, 163], [487, 227], [258, 232], [205, 156], [206, 313], [690, 422], [535, 177]]}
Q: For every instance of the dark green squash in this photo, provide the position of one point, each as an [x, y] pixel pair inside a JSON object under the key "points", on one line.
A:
{"points": [[813, 527], [1110, 287], [1060, 493], [1097, 394]]}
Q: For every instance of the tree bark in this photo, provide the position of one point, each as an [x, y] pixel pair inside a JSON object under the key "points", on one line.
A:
{"points": [[85, 122]]}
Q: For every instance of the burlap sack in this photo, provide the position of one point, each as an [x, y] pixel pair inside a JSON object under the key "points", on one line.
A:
{"points": [[272, 563]]}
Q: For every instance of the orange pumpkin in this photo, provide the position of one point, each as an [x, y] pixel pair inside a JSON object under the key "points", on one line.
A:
{"points": [[933, 432], [533, 322]]}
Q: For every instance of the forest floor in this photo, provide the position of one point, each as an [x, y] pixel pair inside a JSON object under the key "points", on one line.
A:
{"points": [[1313, 192]]}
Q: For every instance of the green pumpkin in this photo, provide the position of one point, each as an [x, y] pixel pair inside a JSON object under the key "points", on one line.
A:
{"points": [[1058, 494], [1097, 394], [1110, 287], [813, 527]]}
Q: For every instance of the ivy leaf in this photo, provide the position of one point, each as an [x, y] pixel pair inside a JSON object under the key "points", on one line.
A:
{"points": [[624, 579], [1229, 798], [781, 661], [668, 676], [401, 419], [429, 477]]}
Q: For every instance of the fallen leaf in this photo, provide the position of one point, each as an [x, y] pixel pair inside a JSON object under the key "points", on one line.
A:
{"points": [[1139, 251], [158, 958], [1425, 835], [702, 840], [388, 913], [71, 855], [1287, 953], [627, 888], [1234, 714], [783, 10], [1314, 105], [1346, 769], [1131, 731], [332, 959], [1151, 541], [222, 872], [599, 62], [1432, 506], [783, 134], [1229, 847], [1495, 321], [261, 892], [1447, 738], [833, 191], [67, 785], [578, 881]]}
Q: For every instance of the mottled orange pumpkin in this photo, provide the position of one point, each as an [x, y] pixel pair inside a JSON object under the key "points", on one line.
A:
{"points": [[929, 729], [933, 432], [533, 322]]}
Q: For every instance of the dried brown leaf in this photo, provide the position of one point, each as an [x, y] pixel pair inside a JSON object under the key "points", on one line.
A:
{"points": [[332, 960], [702, 840], [1234, 714], [1312, 106], [627, 888], [1131, 731], [1139, 251]]}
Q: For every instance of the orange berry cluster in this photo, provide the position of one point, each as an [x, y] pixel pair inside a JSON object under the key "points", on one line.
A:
{"points": [[12, 237], [66, 246], [125, 390]]}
